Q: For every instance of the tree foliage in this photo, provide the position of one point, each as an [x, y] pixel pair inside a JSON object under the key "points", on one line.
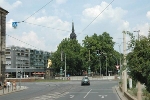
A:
{"points": [[71, 48], [138, 60], [79, 58], [104, 44]]}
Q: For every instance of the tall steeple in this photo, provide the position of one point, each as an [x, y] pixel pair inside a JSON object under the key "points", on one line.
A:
{"points": [[72, 27], [73, 35]]}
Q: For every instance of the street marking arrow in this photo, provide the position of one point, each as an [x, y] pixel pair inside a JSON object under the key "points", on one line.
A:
{"points": [[103, 96], [71, 96]]}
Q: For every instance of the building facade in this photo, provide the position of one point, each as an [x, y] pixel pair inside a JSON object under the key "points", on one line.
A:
{"points": [[3, 14], [29, 62]]}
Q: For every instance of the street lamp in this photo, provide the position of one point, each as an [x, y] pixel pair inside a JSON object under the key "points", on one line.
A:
{"points": [[138, 34], [98, 53], [14, 59], [61, 71], [65, 64], [120, 69], [89, 69], [106, 61]]}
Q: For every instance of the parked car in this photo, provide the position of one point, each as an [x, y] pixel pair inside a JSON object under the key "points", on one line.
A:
{"points": [[85, 81]]}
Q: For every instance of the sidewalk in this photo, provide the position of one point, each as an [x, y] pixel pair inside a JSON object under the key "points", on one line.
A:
{"points": [[11, 90], [120, 94]]}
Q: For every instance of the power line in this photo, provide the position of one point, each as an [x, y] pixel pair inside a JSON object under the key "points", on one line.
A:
{"points": [[98, 15], [66, 30], [22, 41], [46, 26], [37, 11]]}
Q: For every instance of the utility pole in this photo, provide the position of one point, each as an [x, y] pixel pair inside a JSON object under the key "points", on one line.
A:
{"points": [[98, 53], [124, 63], [138, 34], [89, 69], [65, 65], [106, 62], [120, 62]]}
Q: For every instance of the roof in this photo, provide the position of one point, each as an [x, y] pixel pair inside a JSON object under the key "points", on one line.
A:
{"points": [[3, 10]]}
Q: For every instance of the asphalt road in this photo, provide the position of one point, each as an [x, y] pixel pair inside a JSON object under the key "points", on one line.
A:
{"points": [[71, 90]]}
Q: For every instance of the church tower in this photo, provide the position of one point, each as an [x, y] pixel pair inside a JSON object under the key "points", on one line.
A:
{"points": [[73, 35]]}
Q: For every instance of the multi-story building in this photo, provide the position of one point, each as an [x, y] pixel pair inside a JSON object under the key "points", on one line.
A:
{"points": [[29, 61], [3, 14]]}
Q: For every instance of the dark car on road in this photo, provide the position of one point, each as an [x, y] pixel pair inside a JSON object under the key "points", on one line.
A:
{"points": [[85, 81]]}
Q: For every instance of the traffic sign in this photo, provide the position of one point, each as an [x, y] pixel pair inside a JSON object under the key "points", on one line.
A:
{"points": [[14, 24], [117, 66]]}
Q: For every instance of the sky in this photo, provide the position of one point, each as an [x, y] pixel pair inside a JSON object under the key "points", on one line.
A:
{"points": [[45, 28]]}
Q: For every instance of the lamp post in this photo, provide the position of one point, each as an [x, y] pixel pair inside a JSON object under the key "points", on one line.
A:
{"points": [[120, 63], [100, 69], [106, 66], [120, 67], [138, 34], [89, 69], [65, 65], [106, 61], [139, 93], [14, 59], [61, 71]]}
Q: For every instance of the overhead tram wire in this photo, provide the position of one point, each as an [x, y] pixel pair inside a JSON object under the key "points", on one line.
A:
{"points": [[22, 41], [97, 16], [37, 11], [65, 30], [47, 27]]}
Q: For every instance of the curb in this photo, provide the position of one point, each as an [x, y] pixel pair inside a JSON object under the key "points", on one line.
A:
{"points": [[23, 88], [120, 94]]}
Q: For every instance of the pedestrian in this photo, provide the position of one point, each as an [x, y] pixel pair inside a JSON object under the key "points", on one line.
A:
{"points": [[5, 85], [14, 85], [8, 84]]}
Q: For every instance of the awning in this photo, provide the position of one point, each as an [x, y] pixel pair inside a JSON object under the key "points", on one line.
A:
{"points": [[38, 73]]}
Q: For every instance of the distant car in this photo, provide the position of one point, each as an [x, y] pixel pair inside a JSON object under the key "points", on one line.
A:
{"points": [[85, 81]]}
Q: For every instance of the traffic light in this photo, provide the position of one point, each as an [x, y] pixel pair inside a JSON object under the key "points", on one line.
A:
{"points": [[97, 52]]}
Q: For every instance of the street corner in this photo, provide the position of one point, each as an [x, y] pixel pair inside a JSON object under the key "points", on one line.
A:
{"points": [[8, 91]]}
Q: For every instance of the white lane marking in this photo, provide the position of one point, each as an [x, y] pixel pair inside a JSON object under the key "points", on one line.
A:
{"points": [[87, 93], [71, 96], [103, 96]]}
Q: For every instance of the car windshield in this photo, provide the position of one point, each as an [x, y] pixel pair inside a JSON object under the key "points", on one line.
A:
{"points": [[86, 78]]}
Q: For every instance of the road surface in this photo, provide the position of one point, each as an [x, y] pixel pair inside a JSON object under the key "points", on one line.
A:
{"points": [[70, 90]]}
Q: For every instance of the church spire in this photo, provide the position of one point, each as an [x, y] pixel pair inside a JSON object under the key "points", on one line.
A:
{"points": [[73, 35], [72, 27]]}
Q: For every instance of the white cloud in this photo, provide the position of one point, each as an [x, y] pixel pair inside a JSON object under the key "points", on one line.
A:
{"points": [[9, 6], [109, 13], [148, 15], [112, 17], [144, 28], [16, 4], [30, 40], [38, 37]]}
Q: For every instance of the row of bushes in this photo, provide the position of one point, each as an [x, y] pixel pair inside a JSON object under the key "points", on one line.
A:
{"points": [[134, 90]]}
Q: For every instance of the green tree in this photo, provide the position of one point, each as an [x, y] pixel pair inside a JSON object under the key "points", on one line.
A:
{"points": [[138, 60], [104, 44], [71, 48]]}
